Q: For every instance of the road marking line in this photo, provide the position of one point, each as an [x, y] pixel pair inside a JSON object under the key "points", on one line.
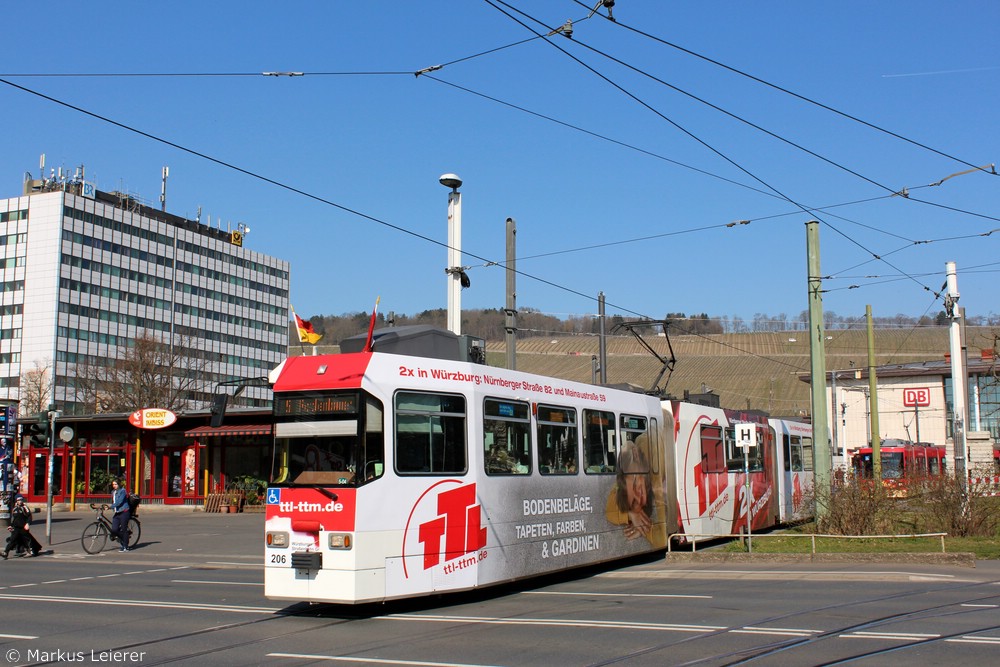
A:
{"points": [[622, 595], [144, 603], [785, 632], [552, 622], [223, 562], [974, 640], [901, 636], [18, 636], [221, 583], [377, 661]]}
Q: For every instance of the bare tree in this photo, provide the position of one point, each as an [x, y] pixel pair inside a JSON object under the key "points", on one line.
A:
{"points": [[36, 388], [150, 374]]}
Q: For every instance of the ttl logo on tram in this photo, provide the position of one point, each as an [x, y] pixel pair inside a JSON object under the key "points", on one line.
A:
{"points": [[456, 531]]}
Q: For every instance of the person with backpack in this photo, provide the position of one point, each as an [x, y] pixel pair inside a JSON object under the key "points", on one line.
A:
{"points": [[20, 533], [122, 509]]}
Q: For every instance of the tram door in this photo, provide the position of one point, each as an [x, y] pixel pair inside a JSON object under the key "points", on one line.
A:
{"points": [[178, 466]]}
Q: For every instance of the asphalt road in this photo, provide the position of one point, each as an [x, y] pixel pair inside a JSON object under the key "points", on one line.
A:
{"points": [[191, 594]]}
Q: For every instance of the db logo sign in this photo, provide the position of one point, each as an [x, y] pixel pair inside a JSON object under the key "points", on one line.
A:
{"points": [[917, 398]]}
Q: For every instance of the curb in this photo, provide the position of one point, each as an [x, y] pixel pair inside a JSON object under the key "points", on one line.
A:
{"points": [[957, 559]]}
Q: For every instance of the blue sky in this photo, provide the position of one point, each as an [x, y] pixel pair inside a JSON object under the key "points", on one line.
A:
{"points": [[605, 150]]}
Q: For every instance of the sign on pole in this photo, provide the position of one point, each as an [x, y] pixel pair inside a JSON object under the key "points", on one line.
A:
{"points": [[746, 437]]}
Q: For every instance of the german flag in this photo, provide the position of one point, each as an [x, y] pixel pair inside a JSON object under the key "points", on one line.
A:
{"points": [[306, 332]]}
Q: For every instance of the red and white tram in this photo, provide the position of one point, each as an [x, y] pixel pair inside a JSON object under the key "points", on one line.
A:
{"points": [[399, 476]]}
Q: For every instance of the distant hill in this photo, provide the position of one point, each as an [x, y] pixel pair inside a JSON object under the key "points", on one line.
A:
{"points": [[755, 370]]}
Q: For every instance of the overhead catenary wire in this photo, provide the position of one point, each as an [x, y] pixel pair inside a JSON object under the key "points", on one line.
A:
{"points": [[494, 3], [799, 96], [345, 73], [303, 193], [293, 189]]}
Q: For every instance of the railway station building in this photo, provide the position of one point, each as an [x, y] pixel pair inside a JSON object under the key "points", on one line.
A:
{"points": [[915, 403]]}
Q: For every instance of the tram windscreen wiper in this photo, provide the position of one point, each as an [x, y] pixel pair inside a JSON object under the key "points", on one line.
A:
{"points": [[327, 492]]}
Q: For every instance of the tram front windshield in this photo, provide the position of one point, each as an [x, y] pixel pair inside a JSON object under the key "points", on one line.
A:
{"points": [[892, 465], [328, 439]]}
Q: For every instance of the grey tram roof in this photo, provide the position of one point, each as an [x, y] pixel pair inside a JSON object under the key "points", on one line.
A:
{"points": [[418, 340]]}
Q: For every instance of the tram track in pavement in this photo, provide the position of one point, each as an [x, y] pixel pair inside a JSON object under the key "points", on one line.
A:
{"points": [[750, 655], [208, 653]]}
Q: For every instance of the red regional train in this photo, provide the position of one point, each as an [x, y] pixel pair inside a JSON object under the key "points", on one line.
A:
{"points": [[402, 470], [902, 462]]}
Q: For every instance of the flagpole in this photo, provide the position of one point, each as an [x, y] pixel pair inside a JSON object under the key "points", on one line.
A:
{"points": [[297, 334]]}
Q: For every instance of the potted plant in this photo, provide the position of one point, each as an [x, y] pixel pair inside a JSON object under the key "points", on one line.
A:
{"points": [[233, 500]]}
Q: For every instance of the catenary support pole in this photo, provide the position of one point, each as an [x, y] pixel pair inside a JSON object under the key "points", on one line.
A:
{"points": [[510, 325], [823, 461], [873, 398]]}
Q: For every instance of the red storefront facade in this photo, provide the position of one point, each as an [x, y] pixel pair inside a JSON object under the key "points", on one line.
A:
{"points": [[177, 465]]}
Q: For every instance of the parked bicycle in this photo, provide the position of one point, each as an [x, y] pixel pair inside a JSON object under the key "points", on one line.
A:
{"points": [[95, 535]]}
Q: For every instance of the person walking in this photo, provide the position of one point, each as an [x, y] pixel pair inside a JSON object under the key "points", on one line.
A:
{"points": [[20, 531], [119, 524]]}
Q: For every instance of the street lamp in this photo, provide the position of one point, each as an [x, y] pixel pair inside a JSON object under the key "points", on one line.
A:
{"points": [[456, 275]]}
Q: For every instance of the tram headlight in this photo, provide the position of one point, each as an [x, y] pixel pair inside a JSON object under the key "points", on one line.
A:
{"points": [[276, 539], [340, 541]]}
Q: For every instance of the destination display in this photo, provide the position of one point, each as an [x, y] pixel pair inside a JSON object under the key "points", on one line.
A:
{"points": [[340, 404]]}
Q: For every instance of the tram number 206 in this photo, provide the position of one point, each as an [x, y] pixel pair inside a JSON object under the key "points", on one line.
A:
{"points": [[279, 559]]}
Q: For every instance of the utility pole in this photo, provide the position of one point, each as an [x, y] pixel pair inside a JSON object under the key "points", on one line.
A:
{"points": [[959, 390], [52, 416], [873, 400], [603, 343], [823, 468], [454, 269], [510, 326]]}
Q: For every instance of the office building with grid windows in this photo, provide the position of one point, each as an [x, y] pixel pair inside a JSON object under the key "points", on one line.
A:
{"points": [[84, 272]]}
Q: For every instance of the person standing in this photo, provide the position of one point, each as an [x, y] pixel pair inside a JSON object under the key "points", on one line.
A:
{"points": [[20, 531], [119, 524]]}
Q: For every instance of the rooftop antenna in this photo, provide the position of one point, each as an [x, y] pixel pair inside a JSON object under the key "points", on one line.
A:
{"points": [[198, 217], [163, 189]]}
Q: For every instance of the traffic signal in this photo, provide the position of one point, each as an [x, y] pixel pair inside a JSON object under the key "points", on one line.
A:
{"points": [[39, 430], [218, 409]]}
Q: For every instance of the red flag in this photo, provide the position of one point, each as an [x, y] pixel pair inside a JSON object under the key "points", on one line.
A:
{"points": [[306, 332], [371, 326]]}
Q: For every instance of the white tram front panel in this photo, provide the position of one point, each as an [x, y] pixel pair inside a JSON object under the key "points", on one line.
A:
{"points": [[795, 468], [411, 532]]}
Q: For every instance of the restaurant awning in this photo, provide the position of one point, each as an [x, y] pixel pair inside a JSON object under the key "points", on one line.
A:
{"points": [[233, 429]]}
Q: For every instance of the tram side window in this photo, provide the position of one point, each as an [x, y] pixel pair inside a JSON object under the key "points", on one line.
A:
{"points": [[736, 461], [506, 437], [633, 428], [600, 441], [557, 440], [798, 453], [374, 443], [430, 433], [713, 456]]}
